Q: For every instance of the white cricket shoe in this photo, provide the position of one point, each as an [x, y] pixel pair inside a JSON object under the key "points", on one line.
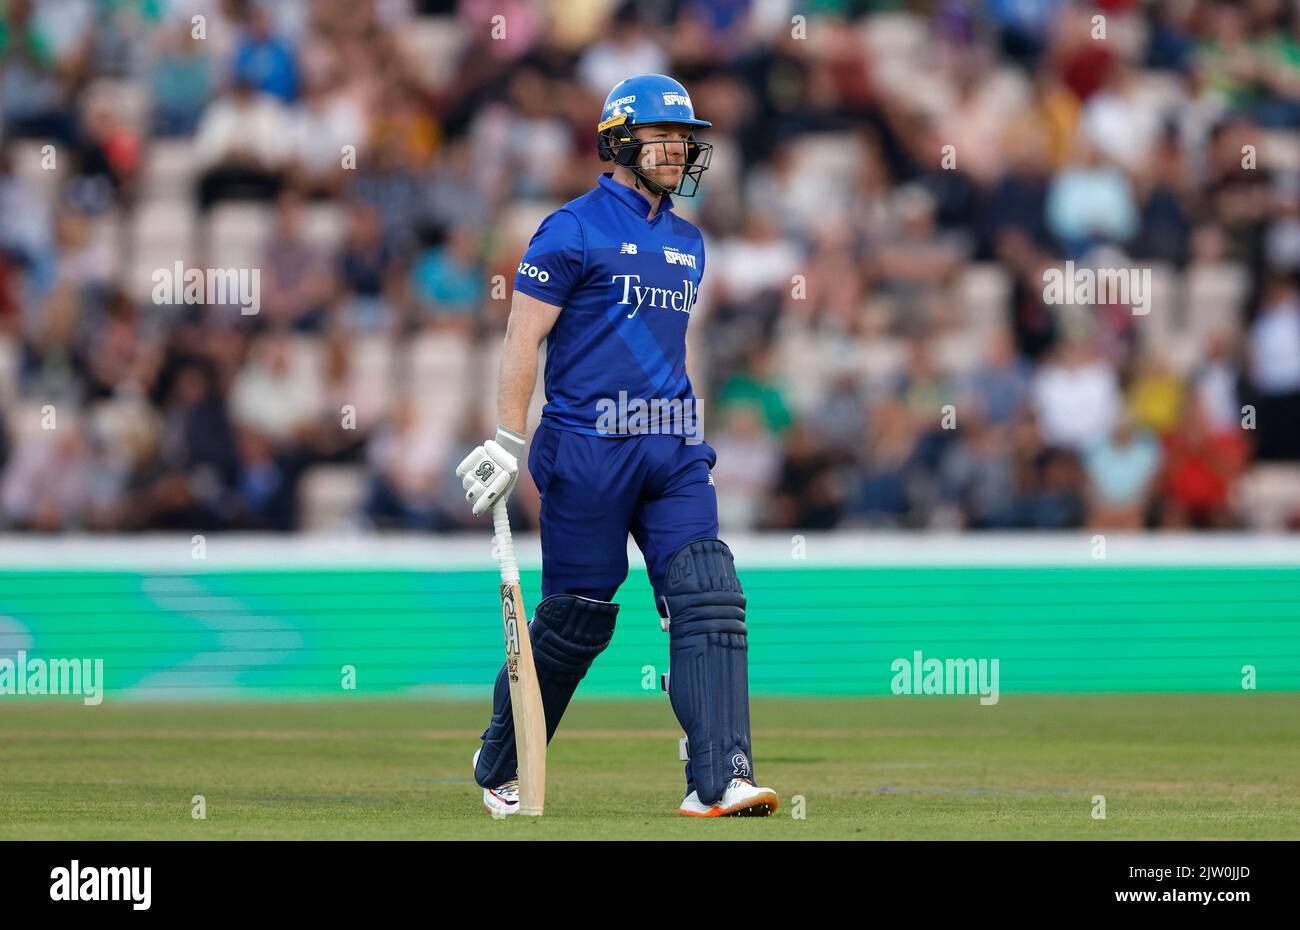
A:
{"points": [[502, 800], [741, 799]]}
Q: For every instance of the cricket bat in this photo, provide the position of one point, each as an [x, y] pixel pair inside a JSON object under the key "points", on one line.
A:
{"points": [[525, 695]]}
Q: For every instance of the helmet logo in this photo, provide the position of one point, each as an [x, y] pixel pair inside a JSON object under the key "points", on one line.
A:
{"points": [[675, 99], [611, 122]]}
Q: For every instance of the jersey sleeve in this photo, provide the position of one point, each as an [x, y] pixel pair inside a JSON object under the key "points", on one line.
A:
{"points": [[553, 264]]}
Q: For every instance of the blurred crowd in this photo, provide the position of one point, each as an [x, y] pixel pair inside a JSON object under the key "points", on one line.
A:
{"points": [[872, 347]]}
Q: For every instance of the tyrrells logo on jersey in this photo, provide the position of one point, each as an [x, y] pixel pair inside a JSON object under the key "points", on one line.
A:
{"points": [[674, 257], [656, 298]]}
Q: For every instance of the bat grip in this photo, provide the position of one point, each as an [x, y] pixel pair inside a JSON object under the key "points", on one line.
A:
{"points": [[505, 544]]}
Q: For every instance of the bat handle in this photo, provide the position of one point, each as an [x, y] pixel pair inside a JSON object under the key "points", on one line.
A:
{"points": [[505, 544]]}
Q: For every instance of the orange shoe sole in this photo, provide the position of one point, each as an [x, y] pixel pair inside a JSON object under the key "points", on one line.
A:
{"points": [[761, 805]]}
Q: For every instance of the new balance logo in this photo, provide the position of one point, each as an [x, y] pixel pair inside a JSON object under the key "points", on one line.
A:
{"points": [[627, 248], [674, 257]]}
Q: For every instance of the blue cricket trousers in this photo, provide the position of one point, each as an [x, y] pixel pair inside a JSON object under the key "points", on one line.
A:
{"points": [[597, 489]]}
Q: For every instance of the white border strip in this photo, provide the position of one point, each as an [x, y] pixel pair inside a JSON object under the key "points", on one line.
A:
{"points": [[175, 552]]}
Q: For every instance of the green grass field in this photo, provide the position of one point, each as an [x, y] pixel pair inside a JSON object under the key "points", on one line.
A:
{"points": [[1169, 767]]}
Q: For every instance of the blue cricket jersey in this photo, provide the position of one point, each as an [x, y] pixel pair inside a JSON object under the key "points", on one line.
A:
{"points": [[626, 286]]}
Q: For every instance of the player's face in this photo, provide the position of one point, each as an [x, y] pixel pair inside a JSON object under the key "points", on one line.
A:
{"points": [[663, 154]]}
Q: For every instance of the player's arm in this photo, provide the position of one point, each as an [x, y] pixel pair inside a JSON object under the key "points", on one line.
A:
{"points": [[488, 473], [551, 270], [530, 322]]}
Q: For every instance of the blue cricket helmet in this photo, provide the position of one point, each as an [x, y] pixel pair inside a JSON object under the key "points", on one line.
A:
{"points": [[641, 101], [650, 98]]}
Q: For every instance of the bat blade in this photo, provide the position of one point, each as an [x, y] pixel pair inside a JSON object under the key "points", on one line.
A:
{"points": [[525, 703]]}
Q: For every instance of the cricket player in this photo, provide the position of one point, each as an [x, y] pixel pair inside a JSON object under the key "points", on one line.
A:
{"points": [[609, 281]]}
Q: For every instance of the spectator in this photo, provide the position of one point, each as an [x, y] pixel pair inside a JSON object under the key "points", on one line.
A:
{"points": [[408, 458], [42, 48], [352, 405], [198, 442], [1274, 347], [999, 387], [808, 493], [625, 49], [242, 147], [365, 267], [181, 81], [1121, 122], [448, 280], [1121, 472], [297, 276], [276, 394], [1076, 397], [1156, 396], [975, 477], [396, 189], [1047, 482], [108, 156], [45, 483], [267, 490], [885, 496], [759, 385], [1090, 202], [840, 418], [263, 60], [26, 225], [1201, 467], [747, 466], [326, 127], [1215, 383]]}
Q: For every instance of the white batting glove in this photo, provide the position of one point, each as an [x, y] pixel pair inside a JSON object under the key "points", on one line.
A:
{"points": [[488, 473]]}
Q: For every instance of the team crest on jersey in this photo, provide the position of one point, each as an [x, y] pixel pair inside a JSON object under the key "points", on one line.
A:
{"points": [[674, 257], [627, 248]]}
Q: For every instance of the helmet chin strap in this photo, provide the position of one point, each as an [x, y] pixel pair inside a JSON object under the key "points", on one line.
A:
{"points": [[654, 187]]}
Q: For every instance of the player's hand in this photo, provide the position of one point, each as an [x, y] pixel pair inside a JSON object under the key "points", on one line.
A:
{"points": [[488, 473]]}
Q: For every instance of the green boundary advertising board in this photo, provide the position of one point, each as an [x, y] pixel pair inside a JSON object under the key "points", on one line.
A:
{"points": [[295, 632]]}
